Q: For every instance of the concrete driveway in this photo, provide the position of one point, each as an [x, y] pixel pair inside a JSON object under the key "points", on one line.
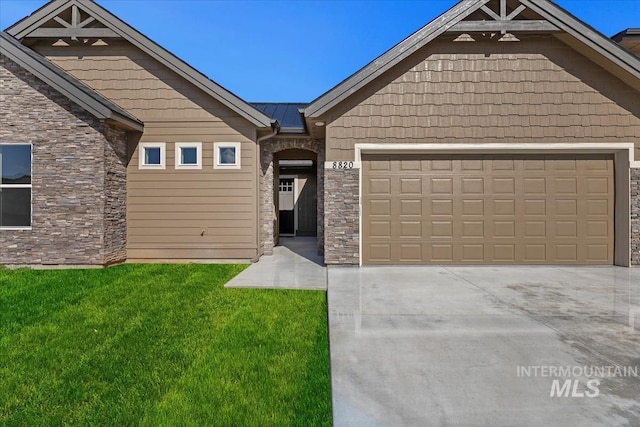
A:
{"points": [[485, 346]]}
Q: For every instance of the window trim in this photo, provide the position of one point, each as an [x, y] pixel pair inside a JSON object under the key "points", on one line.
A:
{"points": [[29, 186], [178, 157], [217, 146], [141, 148]]}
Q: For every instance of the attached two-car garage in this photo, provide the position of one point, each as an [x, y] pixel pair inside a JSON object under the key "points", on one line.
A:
{"points": [[487, 208]]}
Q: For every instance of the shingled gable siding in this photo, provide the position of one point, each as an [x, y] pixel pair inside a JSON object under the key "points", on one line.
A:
{"points": [[535, 90], [635, 216], [78, 208]]}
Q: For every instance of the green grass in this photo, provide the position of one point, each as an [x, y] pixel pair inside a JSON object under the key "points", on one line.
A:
{"points": [[159, 345]]}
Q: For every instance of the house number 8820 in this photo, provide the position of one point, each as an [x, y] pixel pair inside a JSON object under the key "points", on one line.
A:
{"points": [[342, 165]]}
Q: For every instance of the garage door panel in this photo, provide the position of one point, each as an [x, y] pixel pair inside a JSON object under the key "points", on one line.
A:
{"points": [[506, 185], [441, 253], [471, 253], [598, 252], [440, 165], [411, 207], [472, 185], [597, 185], [495, 209], [565, 185], [504, 229], [535, 186], [379, 253], [567, 253], [472, 229], [598, 207], [504, 253], [442, 229], [411, 229], [534, 207], [380, 186], [535, 253], [503, 165], [442, 185], [504, 206], [442, 207], [409, 186], [411, 253]]}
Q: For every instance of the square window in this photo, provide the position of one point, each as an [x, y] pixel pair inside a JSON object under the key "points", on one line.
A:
{"points": [[226, 155], [152, 155], [188, 155], [15, 186]]}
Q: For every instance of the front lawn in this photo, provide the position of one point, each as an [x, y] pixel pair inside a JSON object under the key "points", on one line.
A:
{"points": [[158, 345]]}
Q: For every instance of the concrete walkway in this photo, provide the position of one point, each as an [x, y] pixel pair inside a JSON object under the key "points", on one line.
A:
{"points": [[436, 346], [294, 264]]}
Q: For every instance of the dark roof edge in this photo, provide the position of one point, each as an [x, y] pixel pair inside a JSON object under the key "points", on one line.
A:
{"points": [[629, 32], [180, 67], [67, 85], [586, 34], [391, 57]]}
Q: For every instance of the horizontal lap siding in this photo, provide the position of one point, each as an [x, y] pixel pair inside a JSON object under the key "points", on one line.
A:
{"points": [[174, 214], [535, 90], [205, 213]]}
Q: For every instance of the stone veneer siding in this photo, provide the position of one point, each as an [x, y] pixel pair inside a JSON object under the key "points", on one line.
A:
{"points": [[342, 211], [268, 214], [635, 216], [78, 176], [115, 189]]}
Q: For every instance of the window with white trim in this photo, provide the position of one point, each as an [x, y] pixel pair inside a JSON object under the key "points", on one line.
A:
{"points": [[226, 155], [15, 186], [188, 155], [152, 155]]}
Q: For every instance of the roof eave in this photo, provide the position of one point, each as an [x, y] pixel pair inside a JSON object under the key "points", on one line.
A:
{"points": [[586, 35], [126, 123]]}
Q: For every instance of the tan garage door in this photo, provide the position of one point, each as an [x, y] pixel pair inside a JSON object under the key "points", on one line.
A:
{"points": [[487, 209]]}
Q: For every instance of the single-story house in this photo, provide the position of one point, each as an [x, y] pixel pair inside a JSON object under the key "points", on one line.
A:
{"points": [[502, 132]]}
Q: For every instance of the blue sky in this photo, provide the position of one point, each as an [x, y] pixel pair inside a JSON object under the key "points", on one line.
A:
{"points": [[295, 50]]}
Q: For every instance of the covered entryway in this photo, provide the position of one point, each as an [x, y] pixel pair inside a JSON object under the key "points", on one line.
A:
{"points": [[488, 209], [297, 193]]}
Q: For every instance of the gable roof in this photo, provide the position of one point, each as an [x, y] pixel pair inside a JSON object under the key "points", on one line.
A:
{"points": [[556, 19], [49, 11], [67, 85]]}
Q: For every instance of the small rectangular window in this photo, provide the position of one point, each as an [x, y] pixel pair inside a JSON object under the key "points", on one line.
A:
{"points": [[15, 185], [226, 155], [152, 155], [188, 155]]}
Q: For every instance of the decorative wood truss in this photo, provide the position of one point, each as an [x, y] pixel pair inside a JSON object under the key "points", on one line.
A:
{"points": [[74, 23], [503, 21]]}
